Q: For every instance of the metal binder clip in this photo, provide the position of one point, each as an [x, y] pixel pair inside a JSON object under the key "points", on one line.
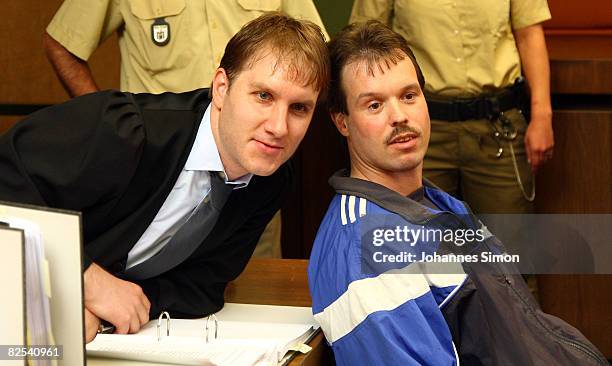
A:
{"points": [[214, 318], [159, 320]]}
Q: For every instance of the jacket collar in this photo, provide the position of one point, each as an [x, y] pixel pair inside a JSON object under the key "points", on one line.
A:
{"points": [[390, 200]]}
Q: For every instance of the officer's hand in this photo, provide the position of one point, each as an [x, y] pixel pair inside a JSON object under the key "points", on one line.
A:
{"points": [[539, 142], [119, 302], [92, 323]]}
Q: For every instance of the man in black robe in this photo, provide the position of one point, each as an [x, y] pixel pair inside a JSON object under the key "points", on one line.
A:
{"points": [[140, 166]]}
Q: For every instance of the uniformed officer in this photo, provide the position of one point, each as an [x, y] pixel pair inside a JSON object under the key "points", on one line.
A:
{"points": [[471, 53]]}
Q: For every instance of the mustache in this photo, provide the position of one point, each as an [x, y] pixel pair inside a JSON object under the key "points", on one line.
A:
{"points": [[402, 129]]}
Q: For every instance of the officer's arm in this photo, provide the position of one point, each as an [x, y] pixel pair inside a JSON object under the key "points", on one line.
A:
{"points": [[73, 72], [539, 140]]}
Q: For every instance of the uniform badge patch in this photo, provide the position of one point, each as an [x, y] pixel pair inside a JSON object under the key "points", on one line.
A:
{"points": [[160, 32]]}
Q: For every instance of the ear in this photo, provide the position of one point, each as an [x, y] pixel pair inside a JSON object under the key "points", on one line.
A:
{"points": [[220, 85], [340, 120]]}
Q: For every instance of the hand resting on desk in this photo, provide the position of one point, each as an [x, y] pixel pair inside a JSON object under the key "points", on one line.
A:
{"points": [[92, 323], [119, 302]]}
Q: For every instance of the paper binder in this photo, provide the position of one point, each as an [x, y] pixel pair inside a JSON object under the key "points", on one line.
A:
{"points": [[12, 276], [61, 231], [239, 334]]}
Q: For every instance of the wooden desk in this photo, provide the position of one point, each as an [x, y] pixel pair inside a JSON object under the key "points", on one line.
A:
{"points": [[271, 282], [279, 282]]}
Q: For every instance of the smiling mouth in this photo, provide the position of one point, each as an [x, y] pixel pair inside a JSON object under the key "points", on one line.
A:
{"points": [[269, 145]]}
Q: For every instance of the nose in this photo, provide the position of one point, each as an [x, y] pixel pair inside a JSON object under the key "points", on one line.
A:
{"points": [[277, 121], [397, 114]]}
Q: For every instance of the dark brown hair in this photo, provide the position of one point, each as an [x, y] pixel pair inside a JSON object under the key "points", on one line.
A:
{"points": [[298, 44], [371, 42]]}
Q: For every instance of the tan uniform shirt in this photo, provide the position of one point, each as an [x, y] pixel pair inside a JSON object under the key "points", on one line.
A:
{"points": [[198, 33], [462, 47]]}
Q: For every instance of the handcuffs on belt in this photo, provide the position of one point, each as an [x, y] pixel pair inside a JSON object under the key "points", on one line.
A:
{"points": [[508, 132]]}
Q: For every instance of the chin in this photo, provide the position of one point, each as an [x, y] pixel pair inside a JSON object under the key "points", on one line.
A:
{"points": [[264, 170], [406, 165]]}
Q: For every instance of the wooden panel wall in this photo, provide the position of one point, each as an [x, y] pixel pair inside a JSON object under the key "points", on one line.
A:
{"points": [[27, 76], [580, 14], [579, 177], [579, 180]]}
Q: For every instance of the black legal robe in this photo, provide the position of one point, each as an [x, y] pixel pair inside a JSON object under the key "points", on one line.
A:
{"points": [[115, 157]]}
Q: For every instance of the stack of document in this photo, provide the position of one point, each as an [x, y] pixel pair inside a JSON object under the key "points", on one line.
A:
{"points": [[246, 335], [38, 286], [12, 283], [51, 304]]}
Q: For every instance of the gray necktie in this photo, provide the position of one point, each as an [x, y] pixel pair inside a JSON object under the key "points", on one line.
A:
{"points": [[189, 236]]}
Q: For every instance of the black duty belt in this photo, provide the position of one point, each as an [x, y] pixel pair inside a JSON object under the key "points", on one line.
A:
{"points": [[487, 105]]}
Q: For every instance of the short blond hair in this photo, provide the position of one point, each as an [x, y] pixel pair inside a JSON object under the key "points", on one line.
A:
{"points": [[298, 44]]}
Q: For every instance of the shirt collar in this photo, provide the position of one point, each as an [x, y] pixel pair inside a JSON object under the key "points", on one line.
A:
{"points": [[204, 155]]}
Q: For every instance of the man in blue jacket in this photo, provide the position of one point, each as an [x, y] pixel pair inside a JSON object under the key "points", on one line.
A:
{"points": [[377, 293]]}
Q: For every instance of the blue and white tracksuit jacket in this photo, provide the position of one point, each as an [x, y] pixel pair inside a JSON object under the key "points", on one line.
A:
{"points": [[389, 318], [415, 315]]}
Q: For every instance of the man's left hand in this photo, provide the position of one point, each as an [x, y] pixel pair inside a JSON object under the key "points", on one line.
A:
{"points": [[539, 142]]}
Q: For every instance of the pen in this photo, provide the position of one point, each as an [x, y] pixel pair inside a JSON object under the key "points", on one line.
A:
{"points": [[106, 328]]}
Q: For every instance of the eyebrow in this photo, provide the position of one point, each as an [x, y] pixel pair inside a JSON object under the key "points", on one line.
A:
{"points": [[259, 86], [413, 86]]}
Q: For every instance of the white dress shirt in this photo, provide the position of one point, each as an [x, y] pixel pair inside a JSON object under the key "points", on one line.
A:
{"points": [[191, 187]]}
